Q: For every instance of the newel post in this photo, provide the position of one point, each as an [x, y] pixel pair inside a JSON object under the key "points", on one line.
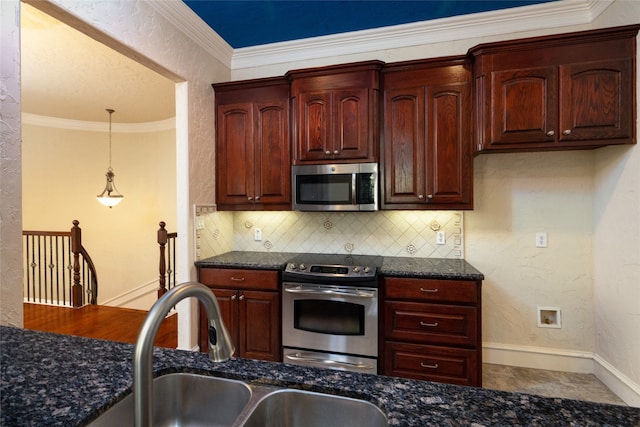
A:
{"points": [[76, 247], [162, 241]]}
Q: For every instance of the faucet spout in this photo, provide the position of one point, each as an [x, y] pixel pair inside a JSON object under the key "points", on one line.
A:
{"points": [[220, 346]]}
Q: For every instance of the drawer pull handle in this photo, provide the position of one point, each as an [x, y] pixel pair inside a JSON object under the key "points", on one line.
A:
{"points": [[431, 325], [432, 291], [424, 365], [237, 279]]}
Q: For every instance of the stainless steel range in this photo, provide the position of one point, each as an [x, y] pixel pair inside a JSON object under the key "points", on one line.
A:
{"points": [[330, 311]]}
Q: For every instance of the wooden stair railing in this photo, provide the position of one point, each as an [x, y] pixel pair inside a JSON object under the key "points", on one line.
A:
{"points": [[58, 268], [167, 242]]}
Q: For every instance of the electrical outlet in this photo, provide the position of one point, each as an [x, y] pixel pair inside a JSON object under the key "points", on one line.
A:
{"points": [[257, 234], [441, 238], [199, 223], [541, 239]]}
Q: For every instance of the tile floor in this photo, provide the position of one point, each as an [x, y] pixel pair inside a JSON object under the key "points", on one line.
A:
{"points": [[547, 383]]}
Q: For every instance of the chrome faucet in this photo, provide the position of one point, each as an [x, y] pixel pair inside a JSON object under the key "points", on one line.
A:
{"points": [[220, 346]]}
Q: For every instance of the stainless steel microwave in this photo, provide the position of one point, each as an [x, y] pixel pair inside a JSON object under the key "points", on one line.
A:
{"points": [[338, 187]]}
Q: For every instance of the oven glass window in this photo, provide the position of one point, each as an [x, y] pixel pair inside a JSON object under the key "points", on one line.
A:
{"points": [[329, 317], [324, 189]]}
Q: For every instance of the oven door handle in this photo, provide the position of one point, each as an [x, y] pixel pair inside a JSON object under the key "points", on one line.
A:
{"points": [[358, 294], [299, 358]]}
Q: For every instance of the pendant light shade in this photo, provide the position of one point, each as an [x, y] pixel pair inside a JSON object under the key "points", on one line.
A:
{"points": [[110, 195]]}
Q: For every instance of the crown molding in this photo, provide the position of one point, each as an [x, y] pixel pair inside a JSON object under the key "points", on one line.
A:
{"points": [[526, 18], [550, 15], [80, 125], [186, 21]]}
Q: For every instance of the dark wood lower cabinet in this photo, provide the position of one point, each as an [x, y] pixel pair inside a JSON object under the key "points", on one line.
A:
{"points": [[250, 311], [431, 330]]}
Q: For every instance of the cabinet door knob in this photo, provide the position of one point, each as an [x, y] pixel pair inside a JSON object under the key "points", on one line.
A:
{"points": [[420, 196], [336, 152], [241, 297], [249, 198], [429, 196], [566, 132], [328, 153], [551, 133], [257, 198], [233, 297]]}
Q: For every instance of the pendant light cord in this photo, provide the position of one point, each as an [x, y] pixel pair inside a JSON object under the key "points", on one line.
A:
{"points": [[110, 111]]}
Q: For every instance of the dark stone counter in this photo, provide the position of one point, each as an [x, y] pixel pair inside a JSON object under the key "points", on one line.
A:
{"points": [[60, 380], [426, 268]]}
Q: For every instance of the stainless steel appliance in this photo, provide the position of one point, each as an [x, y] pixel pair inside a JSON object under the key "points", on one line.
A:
{"points": [[339, 187], [330, 312]]}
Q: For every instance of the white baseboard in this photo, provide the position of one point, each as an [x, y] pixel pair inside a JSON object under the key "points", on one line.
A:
{"points": [[554, 359], [617, 382], [141, 297]]}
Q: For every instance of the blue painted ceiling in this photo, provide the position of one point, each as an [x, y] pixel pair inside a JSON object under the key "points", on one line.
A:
{"points": [[244, 23]]}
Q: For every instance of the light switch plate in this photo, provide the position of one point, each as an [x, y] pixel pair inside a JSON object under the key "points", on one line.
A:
{"points": [[441, 238], [541, 239]]}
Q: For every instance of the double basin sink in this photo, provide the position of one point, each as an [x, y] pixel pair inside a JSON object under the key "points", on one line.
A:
{"points": [[183, 399]]}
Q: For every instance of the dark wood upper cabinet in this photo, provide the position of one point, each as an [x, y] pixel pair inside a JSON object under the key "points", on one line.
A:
{"points": [[427, 135], [568, 91], [335, 113], [253, 155]]}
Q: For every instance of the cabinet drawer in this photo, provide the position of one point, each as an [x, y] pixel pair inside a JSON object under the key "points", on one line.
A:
{"points": [[459, 291], [431, 323], [432, 363], [240, 278]]}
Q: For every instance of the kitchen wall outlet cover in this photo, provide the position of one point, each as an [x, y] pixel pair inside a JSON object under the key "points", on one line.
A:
{"points": [[541, 239], [257, 234], [441, 238], [549, 317]]}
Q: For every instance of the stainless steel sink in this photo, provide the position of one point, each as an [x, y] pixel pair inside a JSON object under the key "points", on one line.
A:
{"points": [[186, 400], [189, 400], [298, 408]]}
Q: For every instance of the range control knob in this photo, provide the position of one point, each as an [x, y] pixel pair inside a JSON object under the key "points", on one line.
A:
{"points": [[292, 266], [367, 269], [356, 269], [302, 267]]}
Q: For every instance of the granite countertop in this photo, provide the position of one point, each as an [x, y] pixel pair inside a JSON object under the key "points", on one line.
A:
{"points": [[426, 268], [61, 380]]}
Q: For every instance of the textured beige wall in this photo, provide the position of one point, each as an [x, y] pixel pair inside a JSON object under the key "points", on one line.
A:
{"points": [[517, 195], [10, 186], [63, 171], [617, 240]]}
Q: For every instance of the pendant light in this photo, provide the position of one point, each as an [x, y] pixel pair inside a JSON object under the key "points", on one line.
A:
{"points": [[110, 195]]}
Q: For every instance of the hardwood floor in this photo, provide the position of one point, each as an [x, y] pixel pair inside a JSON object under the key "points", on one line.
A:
{"points": [[97, 321]]}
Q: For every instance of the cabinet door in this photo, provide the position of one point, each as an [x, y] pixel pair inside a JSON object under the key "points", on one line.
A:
{"points": [[235, 154], [228, 304], [351, 138], [259, 314], [313, 126], [596, 100], [448, 143], [404, 146], [272, 158], [524, 106]]}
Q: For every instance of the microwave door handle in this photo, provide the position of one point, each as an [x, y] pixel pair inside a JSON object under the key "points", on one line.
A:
{"points": [[354, 196], [358, 294], [299, 358]]}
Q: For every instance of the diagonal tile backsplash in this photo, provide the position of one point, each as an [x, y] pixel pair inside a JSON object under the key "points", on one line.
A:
{"points": [[390, 233]]}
